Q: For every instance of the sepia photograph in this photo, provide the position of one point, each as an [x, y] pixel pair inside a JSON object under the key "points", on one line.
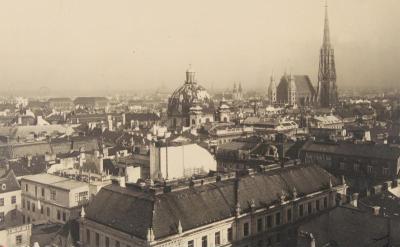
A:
{"points": [[213, 123]]}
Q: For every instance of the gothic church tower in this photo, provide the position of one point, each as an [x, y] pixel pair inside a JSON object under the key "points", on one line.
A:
{"points": [[327, 88]]}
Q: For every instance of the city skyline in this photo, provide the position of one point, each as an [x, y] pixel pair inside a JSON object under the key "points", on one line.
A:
{"points": [[123, 47]]}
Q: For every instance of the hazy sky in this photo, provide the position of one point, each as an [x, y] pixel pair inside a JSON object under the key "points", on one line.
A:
{"points": [[132, 44]]}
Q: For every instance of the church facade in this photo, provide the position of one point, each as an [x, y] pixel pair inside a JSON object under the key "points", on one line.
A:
{"points": [[294, 90]]}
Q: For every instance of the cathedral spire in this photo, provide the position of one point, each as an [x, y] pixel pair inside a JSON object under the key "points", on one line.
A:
{"points": [[326, 40]]}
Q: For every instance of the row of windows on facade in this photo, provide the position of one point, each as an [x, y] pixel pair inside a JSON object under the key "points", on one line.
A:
{"points": [[342, 165], [32, 207], [81, 196], [270, 221], [265, 224], [13, 200], [52, 192]]}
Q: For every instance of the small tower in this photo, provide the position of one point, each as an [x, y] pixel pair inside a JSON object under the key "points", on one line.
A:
{"points": [[195, 115], [240, 92], [224, 111], [292, 91], [272, 90], [190, 75]]}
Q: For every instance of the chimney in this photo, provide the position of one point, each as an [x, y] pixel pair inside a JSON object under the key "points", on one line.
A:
{"points": [[123, 119], [121, 182], [354, 200], [29, 158], [376, 210]]}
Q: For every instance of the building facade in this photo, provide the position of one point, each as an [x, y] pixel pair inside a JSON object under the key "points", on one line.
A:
{"points": [[259, 210], [13, 231], [49, 198], [295, 90]]}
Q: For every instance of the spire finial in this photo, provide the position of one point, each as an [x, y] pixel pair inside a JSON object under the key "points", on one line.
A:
{"points": [[326, 40]]}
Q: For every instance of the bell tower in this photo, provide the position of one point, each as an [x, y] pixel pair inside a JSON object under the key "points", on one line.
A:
{"points": [[327, 89]]}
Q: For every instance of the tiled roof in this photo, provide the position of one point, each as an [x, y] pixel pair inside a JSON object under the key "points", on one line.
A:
{"points": [[133, 211], [380, 151], [10, 182]]}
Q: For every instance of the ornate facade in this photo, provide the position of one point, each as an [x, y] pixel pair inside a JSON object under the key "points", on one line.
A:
{"points": [[295, 90]]}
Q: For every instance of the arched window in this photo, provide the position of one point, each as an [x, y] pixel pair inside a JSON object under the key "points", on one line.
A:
{"points": [[193, 121]]}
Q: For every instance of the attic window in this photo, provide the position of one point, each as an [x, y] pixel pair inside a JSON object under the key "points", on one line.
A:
{"points": [[3, 186]]}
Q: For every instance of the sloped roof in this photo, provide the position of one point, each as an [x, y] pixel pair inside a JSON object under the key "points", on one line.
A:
{"points": [[380, 151], [10, 181], [134, 212]]}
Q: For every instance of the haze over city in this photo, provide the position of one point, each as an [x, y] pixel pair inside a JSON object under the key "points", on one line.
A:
{"points": [[134, 45]]}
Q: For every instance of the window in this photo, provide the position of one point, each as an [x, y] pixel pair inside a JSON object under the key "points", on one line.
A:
{"points": [[369, 169], [190, 243], [2, 218], [88, 236], [217, 238], [81, 196], [41, 210], [42, 192], [342, 166], [269, 242], [230, 234], [1, 202], [18, 239], [325, 202], [13, 199], [97, 239], [356, 167], [246, 229], [260, 243], [58, 215], [23, 203], [33, 207], [269, 221], [259, 225], [48, 212], [64, 216], [278, 219], [26, 187], [204, 241], [35, 190], [29, 219], [117, 244], [107, 242], [301, 210], [28, 205], [385, 171], [278, 238], [317, 205], [289, 215], [309, 208], [52, 194]]}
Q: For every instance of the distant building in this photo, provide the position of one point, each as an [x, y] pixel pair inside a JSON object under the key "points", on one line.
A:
{"points": [[295, 90], [327, 88], [91, 103], [61, 104], [260, 210], [326, 122], [272, 91], [237, 92], [50, 198], [190, 105], [367, 163]]}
